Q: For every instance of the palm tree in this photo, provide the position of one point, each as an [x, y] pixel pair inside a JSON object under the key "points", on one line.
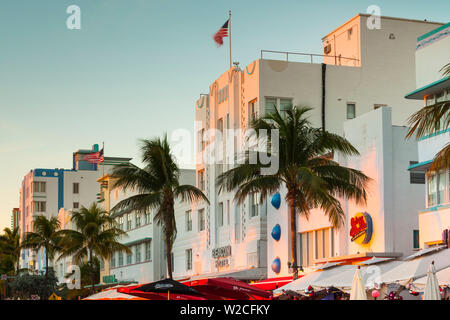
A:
{"points": [[158, 186], [312, 178], [95, 234], [10, 246], [431, 119], [46, 235]]}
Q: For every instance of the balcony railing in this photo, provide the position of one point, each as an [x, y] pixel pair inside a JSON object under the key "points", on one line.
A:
{"points": [[311, 56]]}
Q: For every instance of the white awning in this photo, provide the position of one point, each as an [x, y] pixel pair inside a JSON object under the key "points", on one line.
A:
{"points": [[424, 251], [326, 265], [374, 260], [417, 268], [443, 277], [341, 277]]}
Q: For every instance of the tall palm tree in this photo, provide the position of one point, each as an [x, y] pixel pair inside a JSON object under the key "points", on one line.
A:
{"points": [[431, 119], [10, 246], [46, 235], [312, 178], [158, 186], [95, 235]]}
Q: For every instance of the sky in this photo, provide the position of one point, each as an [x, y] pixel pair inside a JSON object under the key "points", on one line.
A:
{"points": [[136, 67]]}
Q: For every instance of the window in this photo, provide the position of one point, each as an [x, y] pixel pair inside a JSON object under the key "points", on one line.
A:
{"points": [[220, 214], [138, 219], [148, 251], [271, 105], [437, 188], [416, 177], [254, 204], [113, 260], [201, 141], [228, 212], [188, 216], [441, 186], [285, 105], [201, 219], [252, 111], [318, 244], [351, 110], [39, 186], [120, 259], [416, 243], [129, 219], [76, 188], [39, 206], [201, 179], [129, 258], [188, 259], [137, 252], [76, 205], [147, 218], [120, 222]]}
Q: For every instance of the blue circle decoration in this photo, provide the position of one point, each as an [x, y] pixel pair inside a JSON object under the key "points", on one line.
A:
{"points": [[276, 232], [276, 200], [276, 265]]}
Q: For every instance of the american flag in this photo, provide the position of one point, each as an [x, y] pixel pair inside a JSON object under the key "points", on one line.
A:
{"points": [[223, 32], [96, 157]]}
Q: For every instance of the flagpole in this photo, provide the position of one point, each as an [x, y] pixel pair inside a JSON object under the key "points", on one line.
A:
{"points": [[229, 33], [103, 162]]}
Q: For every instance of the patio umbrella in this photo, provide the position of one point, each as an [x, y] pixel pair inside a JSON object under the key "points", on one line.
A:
{"points": [[432, 286], [272, 283], [112, 295], [228, 288], [358, 289], [166, 289]]}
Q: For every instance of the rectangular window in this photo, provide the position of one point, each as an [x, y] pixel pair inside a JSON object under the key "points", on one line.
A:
{"points": [[317, 244], [129, 220], [432, 190], [201, 219], [201, 179], [138, 219], [76, 205], [120, 259], [113, 260], [351, 110], [201, 139], [254, 204], [416, 243], [271, 105], [147, 218], [76, 188], [416, 177], [228, 212], [39, 206], [39, 186], [129, 258], [285, 105], [188, 219], [252, 111], [188, 259], [137, 251], [120, 222], [442, 177], [220, 214], [148, 251]]}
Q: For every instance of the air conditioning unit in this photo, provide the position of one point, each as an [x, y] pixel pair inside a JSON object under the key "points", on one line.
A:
{"points": [[327, 49]]}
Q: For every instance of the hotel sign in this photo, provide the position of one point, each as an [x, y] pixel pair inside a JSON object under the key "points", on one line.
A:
{"points": [[222, 255], [361, 228]]}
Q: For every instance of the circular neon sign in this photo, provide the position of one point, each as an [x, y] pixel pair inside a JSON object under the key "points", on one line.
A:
{"points": [[361, 228]]}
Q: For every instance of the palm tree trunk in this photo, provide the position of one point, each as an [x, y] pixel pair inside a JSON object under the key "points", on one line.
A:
{"points": [[294, 238], [46, 274], [91, 262], [169, 256]]}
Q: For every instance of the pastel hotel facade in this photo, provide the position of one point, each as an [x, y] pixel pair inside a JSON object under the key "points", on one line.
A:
{"points": [[361, 70], [432, 53], [46, 191]]}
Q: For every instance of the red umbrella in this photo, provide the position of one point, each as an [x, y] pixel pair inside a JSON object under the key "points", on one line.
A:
{"points": [[164, 296], [272, 283], [227, 288]]}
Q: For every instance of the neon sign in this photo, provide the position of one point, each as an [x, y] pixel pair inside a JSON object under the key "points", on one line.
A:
{"points": [[361, 228]]}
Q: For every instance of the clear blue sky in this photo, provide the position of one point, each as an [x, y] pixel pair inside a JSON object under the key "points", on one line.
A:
{"points": [[135, 68]]}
